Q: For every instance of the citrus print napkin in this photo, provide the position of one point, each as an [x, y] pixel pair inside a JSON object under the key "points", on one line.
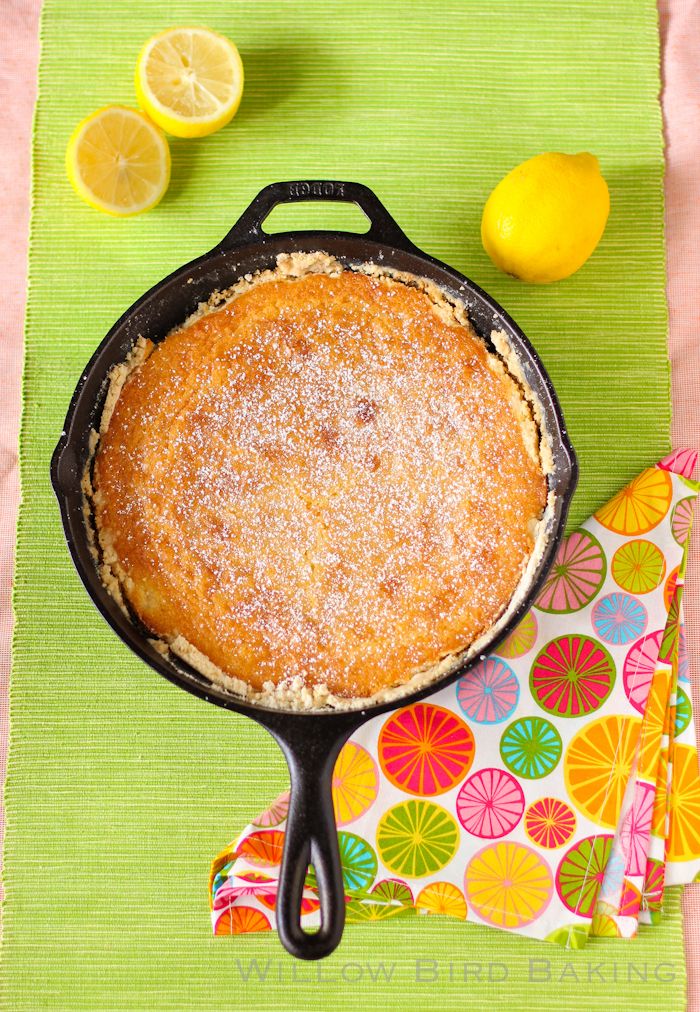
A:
{"points": [[554, 790]]}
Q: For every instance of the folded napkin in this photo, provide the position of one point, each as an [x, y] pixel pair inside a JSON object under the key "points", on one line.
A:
{"points": [[553, 791]]}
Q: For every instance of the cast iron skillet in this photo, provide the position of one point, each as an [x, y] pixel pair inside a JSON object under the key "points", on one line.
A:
{"points": [[310, 741]]}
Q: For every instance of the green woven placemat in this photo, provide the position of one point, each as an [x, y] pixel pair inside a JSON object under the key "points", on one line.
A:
{"points": [[121, 788]]}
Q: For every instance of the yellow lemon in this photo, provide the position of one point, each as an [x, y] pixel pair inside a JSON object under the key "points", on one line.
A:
{"points": [[118, 161], [545, 218], [189, 81]]}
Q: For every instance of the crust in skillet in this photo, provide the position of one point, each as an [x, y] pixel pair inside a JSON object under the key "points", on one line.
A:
{"points": [[322, 489]]}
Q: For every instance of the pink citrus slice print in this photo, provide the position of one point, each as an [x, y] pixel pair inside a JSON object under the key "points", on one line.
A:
{"points": [[682, 519], [550, 823], [639, 667], [309, 903], [653, 889], [581, 872], [576, 576], [488, 693], [636, 828], [276, 813], [508, 884], [572, 676], [425, 749], [521, 639], [630, 901], [490, 803], [681, 462]]}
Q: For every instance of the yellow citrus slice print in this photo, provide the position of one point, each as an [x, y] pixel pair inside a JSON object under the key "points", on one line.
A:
{"points": [[658, 817], [442, 898], [640, 506], [684, 817], [597, 766], [653, 723], [355, 783], [508, 884], [638, 566]]}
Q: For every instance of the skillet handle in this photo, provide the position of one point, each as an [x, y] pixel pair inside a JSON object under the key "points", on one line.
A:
{"points": [[383, 228], [311, 836]]}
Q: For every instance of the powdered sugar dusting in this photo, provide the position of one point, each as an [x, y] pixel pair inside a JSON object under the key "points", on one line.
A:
{"points": [[321, 488]]}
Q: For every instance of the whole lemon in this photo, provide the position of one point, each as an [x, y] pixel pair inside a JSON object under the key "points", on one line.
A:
{"points": [[545, 218]]}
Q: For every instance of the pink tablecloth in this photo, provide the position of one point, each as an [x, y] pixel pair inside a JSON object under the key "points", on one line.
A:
{"points": [[680, 29]]}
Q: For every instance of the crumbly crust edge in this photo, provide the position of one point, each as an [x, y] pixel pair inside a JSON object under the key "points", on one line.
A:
{"points": [[294, 694]]}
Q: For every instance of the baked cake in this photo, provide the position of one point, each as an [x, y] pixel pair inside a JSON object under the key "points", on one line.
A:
{"points": [[321, 488]]}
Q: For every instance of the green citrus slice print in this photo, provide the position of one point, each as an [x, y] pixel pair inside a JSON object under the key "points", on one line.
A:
{"points": [[576, 576], [358, 911], [393, 890], [638, 566], [417, 838], [580, 874], [572, 676], [521, 639], [508, 884], [387, 898], [669, 640], [531, 747], [573, 936], [604, 926]]}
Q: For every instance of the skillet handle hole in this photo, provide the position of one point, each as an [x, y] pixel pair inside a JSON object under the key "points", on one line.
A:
{"points": [[336, 216]]}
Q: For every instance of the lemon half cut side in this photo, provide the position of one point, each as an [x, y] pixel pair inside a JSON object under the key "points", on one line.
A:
{"points": [[118, 161], [189, 81]]}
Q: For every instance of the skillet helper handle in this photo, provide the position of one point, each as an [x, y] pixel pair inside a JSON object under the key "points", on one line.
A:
{"points": [[311, 837], [383, 228]]}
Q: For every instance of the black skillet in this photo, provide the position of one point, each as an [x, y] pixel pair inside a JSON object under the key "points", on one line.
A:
{"points": [[310, 741]]}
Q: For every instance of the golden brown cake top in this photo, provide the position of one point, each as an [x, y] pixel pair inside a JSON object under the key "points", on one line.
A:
{"points": [[327, 480]]}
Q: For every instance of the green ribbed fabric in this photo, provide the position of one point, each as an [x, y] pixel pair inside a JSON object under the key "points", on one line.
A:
{"points": [[121, 788]]}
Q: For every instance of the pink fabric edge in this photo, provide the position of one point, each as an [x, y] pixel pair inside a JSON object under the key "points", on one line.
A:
{"points": [[680, 30]]}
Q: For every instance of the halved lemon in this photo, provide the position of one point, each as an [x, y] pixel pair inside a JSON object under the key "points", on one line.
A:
{"points": [[189, 81], [118, 161]]}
